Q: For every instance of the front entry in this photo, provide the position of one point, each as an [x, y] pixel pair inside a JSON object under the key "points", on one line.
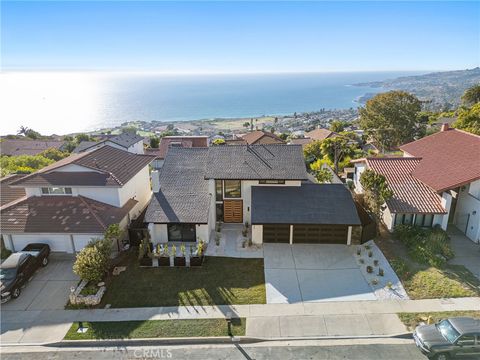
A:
{"points": [[233, 211]]}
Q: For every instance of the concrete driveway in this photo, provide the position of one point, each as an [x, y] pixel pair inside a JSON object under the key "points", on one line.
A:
{"points": [[467, 253], [313, 273], [48, 289]]}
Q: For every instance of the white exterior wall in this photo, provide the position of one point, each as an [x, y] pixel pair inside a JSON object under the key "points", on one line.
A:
{"points": [[442, 219], [257, 234], [138, 188], [468, 209], [388, 219], [474, 189], [157, 163], [359, 169], [108, 195], [158, 233], [82, 240], [137, 148], [75, 168], [203, 232]]}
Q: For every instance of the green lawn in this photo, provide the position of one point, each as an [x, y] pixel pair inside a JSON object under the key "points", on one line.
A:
{"points": [[220, 281], [156, 329], [411, 320]]}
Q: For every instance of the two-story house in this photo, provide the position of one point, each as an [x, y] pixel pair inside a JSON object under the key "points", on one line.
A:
{"points": [[436, 182], [263, 185], [75, 199], [130, 142]]}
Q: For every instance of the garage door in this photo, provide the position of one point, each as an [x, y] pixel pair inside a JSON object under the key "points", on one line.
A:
{"points": [[59, 243], [276, 234], [320, 234]]}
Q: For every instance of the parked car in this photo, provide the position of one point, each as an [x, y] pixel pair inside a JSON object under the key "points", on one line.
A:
{"points": [[449, 338], [19, 267]]}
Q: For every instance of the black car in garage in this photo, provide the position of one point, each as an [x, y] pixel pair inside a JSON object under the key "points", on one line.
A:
{"points": [[19, 267]]}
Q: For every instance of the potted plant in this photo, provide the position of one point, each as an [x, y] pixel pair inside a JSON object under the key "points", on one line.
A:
{"points": [[196, 258], [369, 269], [145, 253], [164, 259], [380, 272], [375, 262], [177, 260]]}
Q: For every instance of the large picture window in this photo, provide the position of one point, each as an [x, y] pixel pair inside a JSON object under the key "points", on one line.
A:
{"points": [[233, 188], [271, 182], [56, 191], [182, 232]]}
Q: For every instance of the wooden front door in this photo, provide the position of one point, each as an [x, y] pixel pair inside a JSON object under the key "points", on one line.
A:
{"points": [[233, 211]]}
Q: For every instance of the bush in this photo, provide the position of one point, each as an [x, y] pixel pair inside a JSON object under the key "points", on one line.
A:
{"points": [[93, 260]]}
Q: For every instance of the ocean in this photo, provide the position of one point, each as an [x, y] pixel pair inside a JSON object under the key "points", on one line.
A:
{"points": [[61, 102]]}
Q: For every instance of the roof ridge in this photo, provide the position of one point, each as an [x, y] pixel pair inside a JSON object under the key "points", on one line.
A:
{"points": [[92, 211]]}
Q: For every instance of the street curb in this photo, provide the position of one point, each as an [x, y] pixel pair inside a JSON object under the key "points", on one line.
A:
{"points": [[199, 340]]}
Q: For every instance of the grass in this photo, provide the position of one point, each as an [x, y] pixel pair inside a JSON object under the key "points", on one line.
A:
{"points": [[424, 281], [220, 281], [156, 329], [4, 253], [412, 320], [89, 289]]}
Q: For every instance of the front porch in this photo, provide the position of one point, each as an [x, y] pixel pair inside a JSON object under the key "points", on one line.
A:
{"points": [[232, 243]]}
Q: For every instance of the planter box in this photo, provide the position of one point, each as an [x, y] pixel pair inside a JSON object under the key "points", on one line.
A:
{"points": [[179, 261], [196, 260], [163, 261], [146, 261], [91, 300]]}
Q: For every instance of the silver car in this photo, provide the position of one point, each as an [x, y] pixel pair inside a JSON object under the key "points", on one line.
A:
{"points": [[450, 338]]}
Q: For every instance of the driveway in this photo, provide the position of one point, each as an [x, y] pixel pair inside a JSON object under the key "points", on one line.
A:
{"points": [[313, 273], [467, 253], [49, 288]]}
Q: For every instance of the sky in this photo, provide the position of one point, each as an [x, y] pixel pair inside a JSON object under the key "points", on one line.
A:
{"points": [[237, 37]]}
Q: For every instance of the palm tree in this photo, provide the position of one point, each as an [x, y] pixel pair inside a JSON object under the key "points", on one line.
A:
{"points": [[23, 130]]}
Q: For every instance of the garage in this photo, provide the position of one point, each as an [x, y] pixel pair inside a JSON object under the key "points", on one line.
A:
{"points": [[277, 233], [60, 243], [320, 234]]}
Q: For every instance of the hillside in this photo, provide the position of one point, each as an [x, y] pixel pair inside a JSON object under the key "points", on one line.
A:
{"points": [[442, 89]]}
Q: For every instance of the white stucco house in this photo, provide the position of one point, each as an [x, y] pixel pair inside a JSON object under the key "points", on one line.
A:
{"points": [[130, 142], [436, 182], [264, 186], [75, 199]]}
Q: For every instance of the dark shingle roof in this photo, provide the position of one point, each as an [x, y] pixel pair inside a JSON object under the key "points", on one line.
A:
{"points": [[9, 194], [61, 214], [114, 167], [328, 204], [13, 147], [84, 145], [184, 195], [126, 139], [256, 162]]}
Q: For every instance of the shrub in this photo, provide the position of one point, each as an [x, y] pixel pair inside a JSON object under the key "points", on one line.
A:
{"points": [[93, 260], [400, 267]]}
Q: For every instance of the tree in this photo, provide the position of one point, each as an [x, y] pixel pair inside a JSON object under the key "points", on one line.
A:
{"points": [[336, 149], [93, 260], [337, 126], [377, 192], [129, 130], [54, 154], [23, 130], [322, 174], [246, 124], [30, 133], [114, 234], [390, 119], [283, 136], [82, 137], [469, 119], [154, 142], [471, 96], [313, 151], [22, 164]]}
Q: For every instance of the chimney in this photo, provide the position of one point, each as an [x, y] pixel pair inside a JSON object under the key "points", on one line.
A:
{"points": [[155, 178], [444, 127]]}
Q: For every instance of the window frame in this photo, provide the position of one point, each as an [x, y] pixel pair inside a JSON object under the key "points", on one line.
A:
{"points": [[239, 188], [65, 190], [271, 182]]}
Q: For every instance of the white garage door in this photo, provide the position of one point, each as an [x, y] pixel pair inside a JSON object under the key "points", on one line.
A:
{"points": [[60, 243], [82, 240]]}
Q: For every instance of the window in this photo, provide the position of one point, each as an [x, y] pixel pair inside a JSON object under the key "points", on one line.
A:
{"points": [[181, 232], [219, 212], [218, 190], [428, 220], [466, 340], [56, 191], [447, 330], [233, 188], [271, 181], [419, 219]]}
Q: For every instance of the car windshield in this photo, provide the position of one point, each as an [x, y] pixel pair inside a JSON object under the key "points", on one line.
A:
{"points": [[7, 274], [448, 331]]}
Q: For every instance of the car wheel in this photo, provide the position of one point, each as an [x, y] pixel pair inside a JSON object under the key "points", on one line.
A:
{"points": [[16, 293], [442, 356], [45, 261]]}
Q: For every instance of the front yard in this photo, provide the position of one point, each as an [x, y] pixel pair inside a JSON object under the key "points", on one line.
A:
{"points": [[220, 281], [412, 320], [156, 329], [423, 281]]}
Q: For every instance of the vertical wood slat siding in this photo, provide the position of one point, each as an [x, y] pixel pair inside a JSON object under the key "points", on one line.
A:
{"points": [[233, 211]]}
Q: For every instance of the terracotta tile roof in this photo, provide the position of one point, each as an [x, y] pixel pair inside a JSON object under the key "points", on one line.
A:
{"points": [[450, 159], [61, 214], [9, 194], [320, 134], [113, 167], [301, 141], [180, 141], [410, 194], [12, 147], [254, 136]]}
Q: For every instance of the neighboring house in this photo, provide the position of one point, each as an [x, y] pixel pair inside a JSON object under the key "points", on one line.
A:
{"points": [[175, 141], [262, 185], [68, 203], [257, 137], [126, 141], [318, 134], [13, 147], [10, 194], [437, 182]]}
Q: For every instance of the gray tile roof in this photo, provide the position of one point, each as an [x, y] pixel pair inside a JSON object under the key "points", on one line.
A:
{"points": [[256, 162], [126, 139], [329, 204], [84, 145], [184, 195]]}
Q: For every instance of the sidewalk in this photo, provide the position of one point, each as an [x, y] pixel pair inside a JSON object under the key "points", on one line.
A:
{"points": [[276, 319]]}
